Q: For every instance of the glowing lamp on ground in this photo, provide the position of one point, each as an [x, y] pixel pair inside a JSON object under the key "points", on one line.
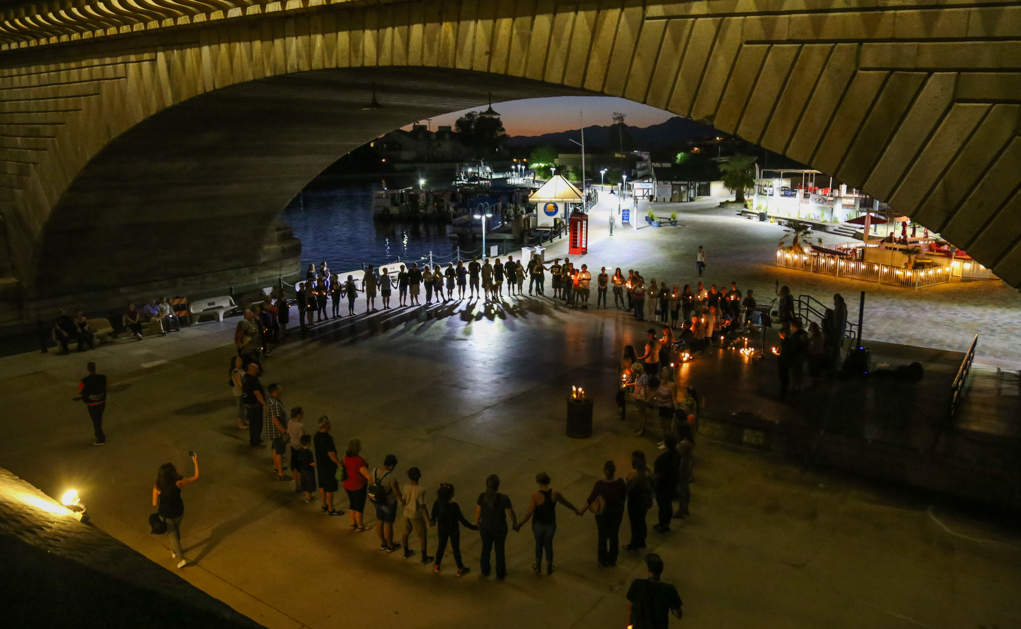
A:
{"points": [[73, 503]]}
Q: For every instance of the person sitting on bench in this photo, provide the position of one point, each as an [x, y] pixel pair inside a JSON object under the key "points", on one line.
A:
{"points": [[84, 331], [132, 321], [166, 314], [64, 330]]}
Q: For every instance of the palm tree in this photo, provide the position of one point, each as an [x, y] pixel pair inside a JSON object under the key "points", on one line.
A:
{"points": [[738, 175], [798, 232]]}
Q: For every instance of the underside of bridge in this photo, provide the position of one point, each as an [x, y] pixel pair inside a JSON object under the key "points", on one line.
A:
{"points": [[146, 147], [190, 194]]}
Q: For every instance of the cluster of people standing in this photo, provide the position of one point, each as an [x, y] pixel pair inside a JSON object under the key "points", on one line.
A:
{"points": [[696, 317], [815, 351]]}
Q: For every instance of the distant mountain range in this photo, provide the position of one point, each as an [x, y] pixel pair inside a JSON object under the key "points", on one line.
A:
{"points": [[668, 134]]}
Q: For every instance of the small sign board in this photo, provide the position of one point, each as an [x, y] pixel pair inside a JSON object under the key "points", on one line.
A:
{"points": [[625, 216], [753, 437]]}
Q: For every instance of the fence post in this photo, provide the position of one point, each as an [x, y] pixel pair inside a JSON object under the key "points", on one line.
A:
{"points": [[459, 253], [430, 261]]}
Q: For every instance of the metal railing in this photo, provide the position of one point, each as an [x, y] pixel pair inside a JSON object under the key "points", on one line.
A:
{"points": [[837, 266], [957, 388], [811, 309]]}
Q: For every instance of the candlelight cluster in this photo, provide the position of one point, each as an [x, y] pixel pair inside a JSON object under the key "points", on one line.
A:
{"points": [[577, 393], [776, 351]]}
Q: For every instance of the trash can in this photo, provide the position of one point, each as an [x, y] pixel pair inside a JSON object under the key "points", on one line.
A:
{"points": [[579, 418], [763, 217]]}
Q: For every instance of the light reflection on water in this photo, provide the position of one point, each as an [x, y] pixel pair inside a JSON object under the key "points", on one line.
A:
{"points": [[335, 224]]}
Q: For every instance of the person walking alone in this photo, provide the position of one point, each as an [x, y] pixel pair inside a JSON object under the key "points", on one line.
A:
{"points": [[448, 518], [700, 260], [92, 389], [607, 503], [491, 513], [543, 507], [166, 497]]}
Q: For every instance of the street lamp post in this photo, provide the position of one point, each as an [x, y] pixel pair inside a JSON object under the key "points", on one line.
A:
{"points": [[421, 184], [483, 216], [602, 173], [623, 188]]}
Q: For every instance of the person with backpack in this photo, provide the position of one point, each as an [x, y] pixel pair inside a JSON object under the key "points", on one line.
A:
{"points": [[491, 512], [384, 493], [166, 497], [543, 507], [607, 503], [448, 518], [640, 497]]}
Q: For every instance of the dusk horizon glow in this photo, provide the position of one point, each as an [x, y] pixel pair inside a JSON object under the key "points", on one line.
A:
{"points": [[536, 116]]}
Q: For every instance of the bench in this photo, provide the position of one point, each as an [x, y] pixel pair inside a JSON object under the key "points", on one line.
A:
{"points": [[217, 306], [102, 330]]}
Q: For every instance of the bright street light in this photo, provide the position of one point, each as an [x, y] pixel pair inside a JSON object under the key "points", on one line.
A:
{"points": [[421, 184], [602, 173], [483, 217]]}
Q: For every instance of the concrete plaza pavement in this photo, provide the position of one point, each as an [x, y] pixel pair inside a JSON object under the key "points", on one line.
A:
{"points": [[945, 316], [477, 390]]}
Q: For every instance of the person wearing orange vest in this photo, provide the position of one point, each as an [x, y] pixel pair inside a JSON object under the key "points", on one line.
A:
{"points": [[93, 391]]}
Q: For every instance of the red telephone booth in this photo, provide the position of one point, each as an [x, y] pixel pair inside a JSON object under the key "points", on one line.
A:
{"points": [[578, 243]]}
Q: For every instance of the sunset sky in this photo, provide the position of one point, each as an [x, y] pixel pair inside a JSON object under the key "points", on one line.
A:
{"points": [[544, 115]]}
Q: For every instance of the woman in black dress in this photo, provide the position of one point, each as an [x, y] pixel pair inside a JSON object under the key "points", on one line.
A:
{"points": [[166, 497]]}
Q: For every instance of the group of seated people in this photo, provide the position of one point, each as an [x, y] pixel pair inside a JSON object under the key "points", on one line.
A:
{"points": [[160, 313], [67, 328]]}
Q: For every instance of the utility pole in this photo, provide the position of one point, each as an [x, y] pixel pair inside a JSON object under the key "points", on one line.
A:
{"points": [[581, 117]]}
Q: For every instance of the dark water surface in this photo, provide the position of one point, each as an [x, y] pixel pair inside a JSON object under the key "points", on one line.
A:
{"points": [[334, 223]]}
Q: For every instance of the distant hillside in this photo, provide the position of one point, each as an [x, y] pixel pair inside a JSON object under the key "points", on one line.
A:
{"points": [[673, 132]]}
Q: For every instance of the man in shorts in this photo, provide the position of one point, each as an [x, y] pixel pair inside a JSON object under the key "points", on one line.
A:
{"points": [[275, 418]]}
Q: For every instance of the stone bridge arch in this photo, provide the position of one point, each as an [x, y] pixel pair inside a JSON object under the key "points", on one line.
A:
{"points": [[122, 121]]}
